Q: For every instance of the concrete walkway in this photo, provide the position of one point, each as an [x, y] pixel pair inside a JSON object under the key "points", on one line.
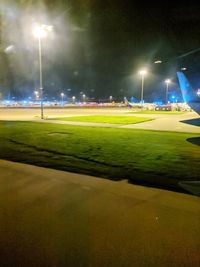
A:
{"points": [[162, 122], [174, 123], [170, 123], [55, 218]]}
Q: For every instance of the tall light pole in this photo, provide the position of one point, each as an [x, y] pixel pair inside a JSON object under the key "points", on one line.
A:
{"points": [[40, 32], [168, 81], [142, 73]]}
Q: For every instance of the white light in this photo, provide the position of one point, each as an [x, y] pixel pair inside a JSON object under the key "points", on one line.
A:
{"points": [[142, 72], [39, 31], [9, 49], [158, 62], [62, 94], [183, 68], [168, 81]]}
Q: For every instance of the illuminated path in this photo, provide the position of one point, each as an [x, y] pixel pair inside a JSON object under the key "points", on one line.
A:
{"points": [[54, 218]]}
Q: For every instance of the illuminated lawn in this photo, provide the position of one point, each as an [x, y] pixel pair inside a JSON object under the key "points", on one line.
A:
{"points": [[106, 119], [147, 157]]}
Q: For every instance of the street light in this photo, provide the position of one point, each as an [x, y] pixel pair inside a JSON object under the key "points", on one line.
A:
{"points": [[84, 96], [168, 81], [142, 73], [40, 32]]}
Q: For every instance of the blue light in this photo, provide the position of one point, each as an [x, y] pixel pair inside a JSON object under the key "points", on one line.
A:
{"points": [[158, 102]]}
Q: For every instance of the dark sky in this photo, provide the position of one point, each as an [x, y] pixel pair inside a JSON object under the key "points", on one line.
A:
{"points": [[98, 46]]}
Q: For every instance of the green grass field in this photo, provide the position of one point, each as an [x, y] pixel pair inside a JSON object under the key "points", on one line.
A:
{"points": [[147, 157], [105, 119]]}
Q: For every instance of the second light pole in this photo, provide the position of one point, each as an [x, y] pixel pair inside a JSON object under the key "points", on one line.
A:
{"points": [[168, 81], [142, 73]]}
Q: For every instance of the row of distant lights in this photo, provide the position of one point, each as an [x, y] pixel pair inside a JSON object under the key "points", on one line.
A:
{"points": [[62, 95]]}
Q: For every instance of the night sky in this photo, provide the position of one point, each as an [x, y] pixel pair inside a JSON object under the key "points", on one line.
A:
{"points": [[97, 47]]}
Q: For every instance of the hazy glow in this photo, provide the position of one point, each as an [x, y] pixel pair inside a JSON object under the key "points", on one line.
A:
{"points": [[142, 72], [9, 49], [62, 94], [168, 81], [39, 31]]}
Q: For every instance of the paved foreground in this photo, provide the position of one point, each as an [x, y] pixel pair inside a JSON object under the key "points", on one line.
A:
{"points": [[54, 218]]}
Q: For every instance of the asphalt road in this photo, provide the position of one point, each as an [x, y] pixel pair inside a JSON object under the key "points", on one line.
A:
{"points": [[54, 218], [164, 122]]}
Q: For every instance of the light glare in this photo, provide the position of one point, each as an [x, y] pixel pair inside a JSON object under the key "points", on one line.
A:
{"points": [[142, 72], [168, 81], [39, 32]]}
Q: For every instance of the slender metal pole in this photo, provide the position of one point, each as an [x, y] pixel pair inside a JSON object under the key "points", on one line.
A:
{"points": [[142, 91], [41, 85], [167, 92]]}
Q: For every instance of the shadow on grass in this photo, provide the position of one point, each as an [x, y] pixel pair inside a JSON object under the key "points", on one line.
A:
{"points": [[30, 154], [191, 186], [195, 122], [194, 140], [155, 181]]}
